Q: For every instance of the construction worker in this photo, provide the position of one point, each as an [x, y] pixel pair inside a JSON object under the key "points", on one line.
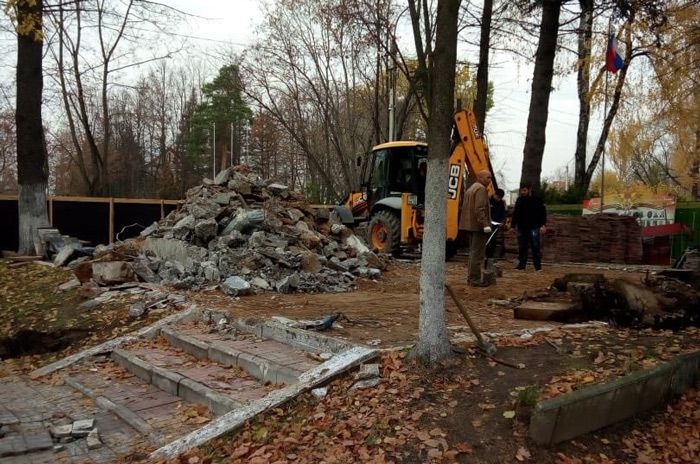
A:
{"points": [[529, 219], [476, 220]]}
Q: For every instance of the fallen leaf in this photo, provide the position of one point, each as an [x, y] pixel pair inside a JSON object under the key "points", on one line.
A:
{"points": [[509, 414], [522, 454]]}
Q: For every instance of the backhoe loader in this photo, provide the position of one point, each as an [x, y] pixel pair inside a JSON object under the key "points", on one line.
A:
{"points": [[392, 195]]}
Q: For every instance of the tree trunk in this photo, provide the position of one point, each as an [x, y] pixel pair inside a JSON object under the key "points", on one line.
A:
{"points": [[482, 71], [32, 165], [585, 34], [541, 88], [433, 341]]}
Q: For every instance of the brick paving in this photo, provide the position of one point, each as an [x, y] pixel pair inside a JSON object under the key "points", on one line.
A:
{"points": [[28, 408], [138, 416]]}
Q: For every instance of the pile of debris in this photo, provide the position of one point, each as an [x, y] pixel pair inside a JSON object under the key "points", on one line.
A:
{"points": [[242, 233], [598, 238], [658, 302]]}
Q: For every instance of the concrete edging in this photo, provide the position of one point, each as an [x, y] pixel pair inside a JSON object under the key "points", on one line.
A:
{"points": [[299, 338], [175, 384], [257, 366], [110, 345], [234, 419], [573, 414]]}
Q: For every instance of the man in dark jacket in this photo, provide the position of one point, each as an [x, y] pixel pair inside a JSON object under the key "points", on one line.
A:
{"points": [[529, 219], [498, 214]]}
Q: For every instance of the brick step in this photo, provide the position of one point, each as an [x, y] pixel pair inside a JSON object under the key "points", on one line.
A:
{"points": [[266, 359], [158, 416], [221, 387]]}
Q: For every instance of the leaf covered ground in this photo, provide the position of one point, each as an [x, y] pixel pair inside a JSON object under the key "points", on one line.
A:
{"points": [[35, 313], [474, 409]]}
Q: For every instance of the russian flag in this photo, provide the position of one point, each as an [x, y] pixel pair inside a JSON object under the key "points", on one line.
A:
{"points": [[613, 60]]}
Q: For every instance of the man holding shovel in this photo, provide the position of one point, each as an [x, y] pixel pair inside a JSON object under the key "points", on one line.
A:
{"points": [[476, 220]]}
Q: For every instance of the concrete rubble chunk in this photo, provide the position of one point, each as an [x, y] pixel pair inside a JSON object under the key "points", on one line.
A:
{"points": [[112, 272], [288, 284], [369, 383], [137, 310], [244, 221], [235, 286], [63, 256], [81, 428], [149, 230], [61, 431], [222, 199], [184, 227], [222, 177], [205, 229], [320, 392], [144, 272], [70, 285], [260, 283], [279, 190], [367, 371], [93, 439]]}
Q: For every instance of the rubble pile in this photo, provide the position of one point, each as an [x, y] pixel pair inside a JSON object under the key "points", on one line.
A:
{"points": [[598, 238], [244, 234]]}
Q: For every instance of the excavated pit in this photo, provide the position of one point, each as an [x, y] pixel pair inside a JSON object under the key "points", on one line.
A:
{"points": [[33, 342]]}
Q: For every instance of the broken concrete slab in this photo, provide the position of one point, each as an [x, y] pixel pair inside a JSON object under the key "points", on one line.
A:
{"points": [[93, 440], [545, 310]]}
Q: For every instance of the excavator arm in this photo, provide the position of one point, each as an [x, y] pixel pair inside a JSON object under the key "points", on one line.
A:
{"points": [[470, 153]]}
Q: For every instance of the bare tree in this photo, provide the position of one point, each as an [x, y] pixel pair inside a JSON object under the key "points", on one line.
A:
{"points": [[32, 165], [440, 61]]}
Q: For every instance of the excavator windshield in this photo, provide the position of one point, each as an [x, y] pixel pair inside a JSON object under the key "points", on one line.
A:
{"points": [[397, 170]]}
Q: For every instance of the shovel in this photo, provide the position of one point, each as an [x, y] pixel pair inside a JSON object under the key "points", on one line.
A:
{"points": [[488, 347]]}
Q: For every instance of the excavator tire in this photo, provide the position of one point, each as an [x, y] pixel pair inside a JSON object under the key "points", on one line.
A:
{"points": [[385, 232]]}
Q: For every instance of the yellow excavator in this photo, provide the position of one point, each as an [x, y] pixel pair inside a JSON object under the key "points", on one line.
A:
{"points": [[392, 195]]}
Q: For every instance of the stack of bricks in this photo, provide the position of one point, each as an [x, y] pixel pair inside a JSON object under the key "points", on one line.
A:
{"points": [[602, 238]]}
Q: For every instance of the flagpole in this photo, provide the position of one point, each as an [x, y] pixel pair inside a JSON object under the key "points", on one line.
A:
{"points": [[605, 115]]}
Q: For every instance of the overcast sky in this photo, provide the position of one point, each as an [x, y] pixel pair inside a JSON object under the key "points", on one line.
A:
{"points": [[230, 25], [235, 22]]}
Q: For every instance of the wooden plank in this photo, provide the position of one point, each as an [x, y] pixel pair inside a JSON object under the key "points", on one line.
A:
{"points": [[142, 201]]}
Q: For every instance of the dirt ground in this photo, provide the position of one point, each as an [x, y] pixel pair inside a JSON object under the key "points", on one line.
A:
{"points": [[384, 313]]}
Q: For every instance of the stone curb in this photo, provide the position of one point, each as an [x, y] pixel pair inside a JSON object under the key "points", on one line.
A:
{"points": [[186, 343], [259, 367], [236, 418], [125, 414], [175, 384], [573, 414], [110, 345], [300, 338]]}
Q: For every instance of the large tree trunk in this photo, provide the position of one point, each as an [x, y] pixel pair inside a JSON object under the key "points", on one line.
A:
{"points": [[585, 34], [482, 71], [32, 165], [541, 88], [433, 342]]}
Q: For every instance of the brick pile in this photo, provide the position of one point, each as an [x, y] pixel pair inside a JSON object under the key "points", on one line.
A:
{"points": [[603, 238]]}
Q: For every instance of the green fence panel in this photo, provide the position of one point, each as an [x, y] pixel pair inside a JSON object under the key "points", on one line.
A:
{"points": [[688, 214]]}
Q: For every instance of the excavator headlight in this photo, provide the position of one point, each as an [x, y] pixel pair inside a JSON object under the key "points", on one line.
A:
{"points": [[413, 200]]}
